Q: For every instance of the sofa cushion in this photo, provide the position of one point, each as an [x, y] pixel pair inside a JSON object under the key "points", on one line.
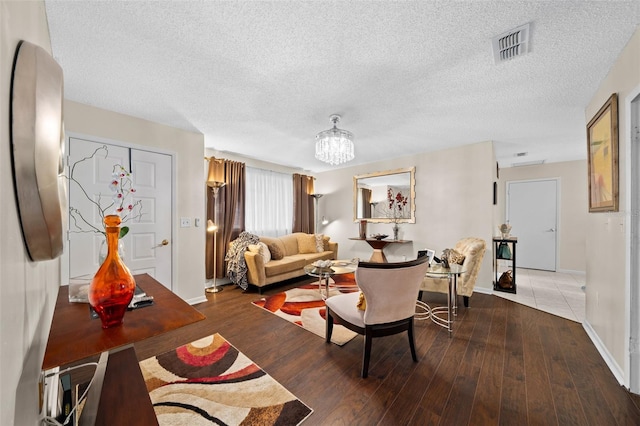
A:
{"points": [[262, 249], [319, 238], [325, 242], [290, 243], [307, 243], [287, 264], [275, 246]]}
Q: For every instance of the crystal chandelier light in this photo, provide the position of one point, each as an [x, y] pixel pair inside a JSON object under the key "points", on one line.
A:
{"points": [[334, 146]]}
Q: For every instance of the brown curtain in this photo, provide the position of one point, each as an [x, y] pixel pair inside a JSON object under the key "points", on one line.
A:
{"points": [[303, 214], [366, 202], [226, 211]]}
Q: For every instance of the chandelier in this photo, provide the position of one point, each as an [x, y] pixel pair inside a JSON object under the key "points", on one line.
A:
{"points": [[334, 146]]}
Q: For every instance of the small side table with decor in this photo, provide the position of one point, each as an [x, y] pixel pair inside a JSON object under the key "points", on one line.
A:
{"points": [[504, 264], [324, 272]]}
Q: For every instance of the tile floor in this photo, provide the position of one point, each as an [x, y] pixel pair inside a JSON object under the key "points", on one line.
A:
{"points": [[554, 292]]}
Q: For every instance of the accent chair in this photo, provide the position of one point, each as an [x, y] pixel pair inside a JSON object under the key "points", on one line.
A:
{"points": [[390, 291], [473, 250]]}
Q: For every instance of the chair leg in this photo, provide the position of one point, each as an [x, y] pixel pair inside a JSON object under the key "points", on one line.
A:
{"points": [[329, 328], [420, 295], [366, 355], [412, 343], [465, 300]]}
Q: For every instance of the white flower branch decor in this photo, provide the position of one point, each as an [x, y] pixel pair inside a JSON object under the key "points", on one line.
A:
{"points": [[121, 187]]}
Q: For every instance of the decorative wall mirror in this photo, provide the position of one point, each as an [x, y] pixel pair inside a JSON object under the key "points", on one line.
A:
{"points": [[37, 135], [385, 197]]}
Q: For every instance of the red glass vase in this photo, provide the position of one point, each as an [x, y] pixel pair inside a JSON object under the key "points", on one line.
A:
{"points": [[113, 286]]}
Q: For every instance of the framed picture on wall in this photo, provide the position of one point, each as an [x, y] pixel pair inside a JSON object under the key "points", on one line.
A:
{"points": [[602, 158]]}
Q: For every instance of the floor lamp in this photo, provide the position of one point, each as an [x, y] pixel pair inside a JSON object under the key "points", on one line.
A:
{"points": [[317, 197], [213, 228]]}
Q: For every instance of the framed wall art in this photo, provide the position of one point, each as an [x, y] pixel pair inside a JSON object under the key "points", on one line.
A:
{"points": [[602, 158]]}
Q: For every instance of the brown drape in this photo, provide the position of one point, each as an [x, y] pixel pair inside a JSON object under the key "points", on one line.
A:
{"points": [[303, 214], [227, 212], [366, 203]]}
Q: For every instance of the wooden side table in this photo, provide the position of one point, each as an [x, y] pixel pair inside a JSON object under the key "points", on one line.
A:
{"points": [[118, 395], [378, 247]]}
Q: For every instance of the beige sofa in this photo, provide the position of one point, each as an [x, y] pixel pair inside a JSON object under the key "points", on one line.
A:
{"points": [[293, 261]]}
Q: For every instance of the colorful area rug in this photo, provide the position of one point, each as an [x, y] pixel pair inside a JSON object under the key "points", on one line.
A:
{"points": [[304, 306], [210, 382]]}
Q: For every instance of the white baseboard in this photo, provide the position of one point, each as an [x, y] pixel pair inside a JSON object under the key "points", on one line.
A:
{"points": [[483, 290], [196, 300], [571, 271], [604, 353]]}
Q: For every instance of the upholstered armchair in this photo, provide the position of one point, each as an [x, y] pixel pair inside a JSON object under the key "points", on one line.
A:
{"points": [[390, 291], [473, 250]]}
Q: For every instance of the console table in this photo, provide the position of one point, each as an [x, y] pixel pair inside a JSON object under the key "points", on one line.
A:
{"points": [[74, 336], [378, 247]]}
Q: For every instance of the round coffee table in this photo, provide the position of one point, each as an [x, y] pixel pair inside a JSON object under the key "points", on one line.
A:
{"points": [[337, 267]]}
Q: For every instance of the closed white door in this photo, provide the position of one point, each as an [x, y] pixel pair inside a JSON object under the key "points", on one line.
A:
{"points": [[532, 212], [144, 251], [150, 242]]}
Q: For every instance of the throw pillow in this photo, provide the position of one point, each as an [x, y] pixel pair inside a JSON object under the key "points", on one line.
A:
{"points": [[325, 241], [262, 249], [276, 252], [451, 256], [306, 243], [362, 303], [319, 243]]}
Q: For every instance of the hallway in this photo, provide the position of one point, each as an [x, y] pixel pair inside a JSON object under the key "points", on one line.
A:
{"points": [[557, 293]]}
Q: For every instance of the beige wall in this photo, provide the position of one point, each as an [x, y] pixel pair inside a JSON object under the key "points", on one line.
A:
{"points": [[28, 290], [188, 243], [605, 244], [572, 207], [454, 199]]}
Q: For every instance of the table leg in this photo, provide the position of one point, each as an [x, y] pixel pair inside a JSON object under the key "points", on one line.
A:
{"points": [[450, 305], [378, 256]]}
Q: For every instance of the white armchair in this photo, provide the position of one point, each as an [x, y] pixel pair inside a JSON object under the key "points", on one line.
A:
{"points": [[390, 291], [473, 250]]}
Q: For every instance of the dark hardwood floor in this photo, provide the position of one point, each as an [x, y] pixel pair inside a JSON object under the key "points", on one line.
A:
{"points": [[505, 364]]}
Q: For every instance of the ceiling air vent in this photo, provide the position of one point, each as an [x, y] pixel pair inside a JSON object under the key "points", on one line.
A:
{"points": [[512, 44]]}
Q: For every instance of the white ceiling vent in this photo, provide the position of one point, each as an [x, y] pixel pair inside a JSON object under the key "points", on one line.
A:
{"points": [[512, 44]]}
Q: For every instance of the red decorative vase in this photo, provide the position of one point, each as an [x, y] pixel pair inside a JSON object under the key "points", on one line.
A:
{"points": [[113, 286]]}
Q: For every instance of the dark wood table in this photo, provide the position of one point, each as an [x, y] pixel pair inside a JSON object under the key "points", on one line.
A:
{"points": [[74, 335], [378, 247], [119, 395]]}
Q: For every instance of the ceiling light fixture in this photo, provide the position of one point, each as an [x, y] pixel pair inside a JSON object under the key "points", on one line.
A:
{"points": [[334, 146]]}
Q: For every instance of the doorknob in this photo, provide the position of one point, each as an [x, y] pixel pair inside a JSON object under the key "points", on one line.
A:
{"points": [[165, 242]]}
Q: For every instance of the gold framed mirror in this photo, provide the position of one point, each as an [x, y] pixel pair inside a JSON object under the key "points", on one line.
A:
{"points": [[385, 197]]}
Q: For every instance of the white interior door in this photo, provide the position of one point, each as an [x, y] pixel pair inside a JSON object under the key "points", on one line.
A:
{"points": [[143, 246], [150, 243], [532, 211]]}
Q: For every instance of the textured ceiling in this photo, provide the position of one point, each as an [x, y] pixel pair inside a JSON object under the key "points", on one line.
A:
{"points": [[261, 79]]}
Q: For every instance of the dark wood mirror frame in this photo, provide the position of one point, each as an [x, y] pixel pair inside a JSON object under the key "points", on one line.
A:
{"points": [[375, 186]]}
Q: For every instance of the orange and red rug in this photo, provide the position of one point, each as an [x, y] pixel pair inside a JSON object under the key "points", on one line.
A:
{"points": [[304, 306], [210, 382]]}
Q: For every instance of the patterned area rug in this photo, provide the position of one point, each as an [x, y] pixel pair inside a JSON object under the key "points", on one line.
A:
{"points": [[305, 307], [210, 382]]}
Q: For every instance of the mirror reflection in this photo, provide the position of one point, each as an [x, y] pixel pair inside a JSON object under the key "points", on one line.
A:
{"points": [[387, 196]]}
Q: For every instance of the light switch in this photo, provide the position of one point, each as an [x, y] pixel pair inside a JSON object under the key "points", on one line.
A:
{"points": [[185, 222]]}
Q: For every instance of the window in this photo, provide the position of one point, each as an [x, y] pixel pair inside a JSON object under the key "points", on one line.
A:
{"points": [[268, 203]]}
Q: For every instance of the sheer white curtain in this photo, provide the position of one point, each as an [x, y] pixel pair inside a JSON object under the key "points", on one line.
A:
{"points": [[268, 202]]}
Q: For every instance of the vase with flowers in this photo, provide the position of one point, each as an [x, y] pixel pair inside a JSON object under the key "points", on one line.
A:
{"points": [[397, 204], [112, 287]]}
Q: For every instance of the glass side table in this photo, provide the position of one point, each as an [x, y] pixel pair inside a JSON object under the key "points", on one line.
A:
{"points": [[436, 314], [323, 274]]}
